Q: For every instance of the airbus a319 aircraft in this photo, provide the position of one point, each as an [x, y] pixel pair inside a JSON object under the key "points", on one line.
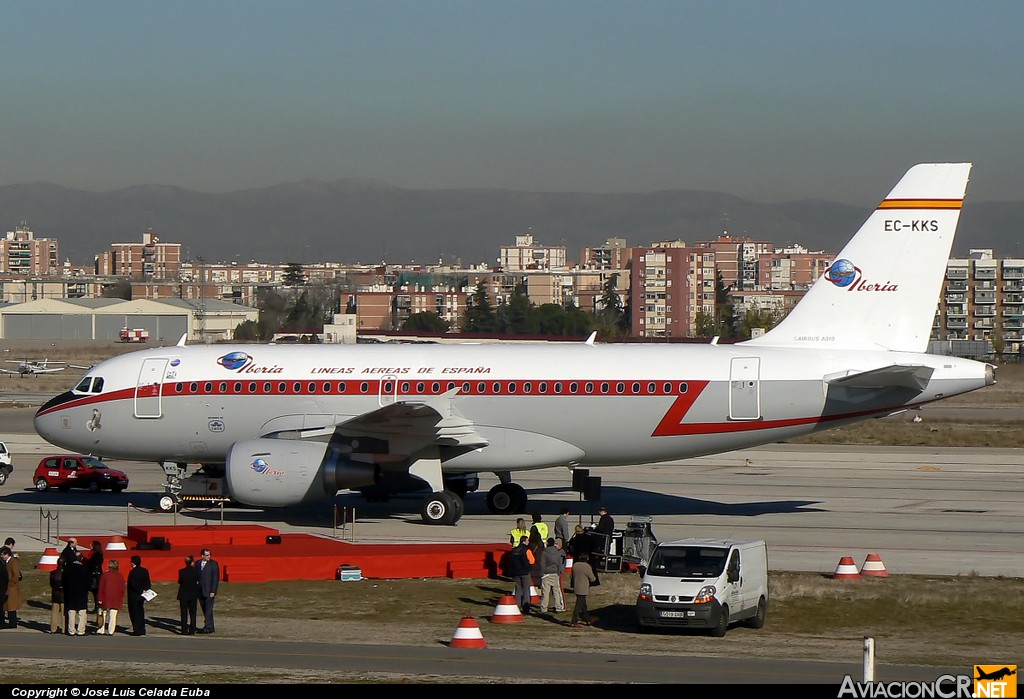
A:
{"points": [[295, 424]]}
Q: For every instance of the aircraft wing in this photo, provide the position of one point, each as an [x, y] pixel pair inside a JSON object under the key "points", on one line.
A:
{"points": [[427, 423], [894, 376], [9, 371]]}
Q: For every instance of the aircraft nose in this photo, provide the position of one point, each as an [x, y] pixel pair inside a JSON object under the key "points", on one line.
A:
{"points": [[48, 418]]}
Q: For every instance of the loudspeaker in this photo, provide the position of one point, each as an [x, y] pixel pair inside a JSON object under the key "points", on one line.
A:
{"points": [[579, 478], [274, 539], [592, 488]]}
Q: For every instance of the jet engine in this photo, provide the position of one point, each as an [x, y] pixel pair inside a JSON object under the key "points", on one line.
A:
{"points": [[283, 472]]}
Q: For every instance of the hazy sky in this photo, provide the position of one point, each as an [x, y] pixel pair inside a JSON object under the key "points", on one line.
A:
{"points": [[769, 100]]}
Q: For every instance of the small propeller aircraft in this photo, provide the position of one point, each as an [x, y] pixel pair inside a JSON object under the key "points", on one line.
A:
{"points": [[31, 366]]}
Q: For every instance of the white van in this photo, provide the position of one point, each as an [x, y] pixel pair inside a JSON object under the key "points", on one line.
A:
{"points": [[704, 584], [6, 466]]}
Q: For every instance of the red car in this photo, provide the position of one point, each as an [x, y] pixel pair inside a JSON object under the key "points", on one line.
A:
{"points": [[74, 471]]}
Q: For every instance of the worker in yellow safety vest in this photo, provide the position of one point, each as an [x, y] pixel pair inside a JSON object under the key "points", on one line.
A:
{"points": [[519, 530], [541, 527]]}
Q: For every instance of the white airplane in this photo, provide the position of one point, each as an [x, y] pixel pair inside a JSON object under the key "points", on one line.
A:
{"points": [[295, 424], [30, 366]]}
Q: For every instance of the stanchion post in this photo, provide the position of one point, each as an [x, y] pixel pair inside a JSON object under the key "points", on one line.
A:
{"points": [[869, 659]]}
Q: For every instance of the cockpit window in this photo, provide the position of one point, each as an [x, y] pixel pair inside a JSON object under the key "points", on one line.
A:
{"points": [[97, 385], [83, 385]]}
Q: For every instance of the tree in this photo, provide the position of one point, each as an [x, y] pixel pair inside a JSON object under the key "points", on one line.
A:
{"points": [[121, 289], [725, 320], [517, 317], [294, 275], [425, 321], [705, 324], [610, 315], [757, 317], [480, 317]]}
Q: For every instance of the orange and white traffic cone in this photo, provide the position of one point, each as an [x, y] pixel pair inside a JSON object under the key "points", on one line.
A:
{"points": [[468, 635], [507, 611], [873, 566], [48, 561], [846, 570], [534, 595]]}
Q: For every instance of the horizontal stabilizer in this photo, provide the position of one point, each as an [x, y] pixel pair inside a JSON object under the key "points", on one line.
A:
{"points": [[895, 376]]}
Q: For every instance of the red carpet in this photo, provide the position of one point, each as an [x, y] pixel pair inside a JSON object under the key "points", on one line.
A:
{"points": [[245, 554]]}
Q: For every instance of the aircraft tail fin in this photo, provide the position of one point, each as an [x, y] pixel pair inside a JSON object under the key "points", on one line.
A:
{"points": [[882, 289]]}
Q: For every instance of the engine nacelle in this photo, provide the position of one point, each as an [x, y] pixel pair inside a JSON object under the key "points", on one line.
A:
{"points": [[283, 472]]}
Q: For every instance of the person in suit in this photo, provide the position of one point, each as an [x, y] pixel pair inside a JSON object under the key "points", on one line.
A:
{"points": [[13, 601], [138, 582], [76, 594], [188, 596], [209, 579]]}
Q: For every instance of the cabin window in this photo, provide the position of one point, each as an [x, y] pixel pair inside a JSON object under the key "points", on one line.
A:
{"points": [[652, 387], [542, 387], [421, 387], [193, 387], [341, 387], [296, 387], [620, 387], [557, 388], [636, 387], [436, 387], [311, 387], [511, 386], [327, 387], [683, 388], [388, 387], [405, 387], [252, 387], [364, 387], [237, 387], [467, 387], [268, 387], [223, 387], [497, 387], [574, 387], [208, 387], [282, 387], [178, 387], [604, 387], [527, 387], [481, 387], [589, 387], [668, 387]]}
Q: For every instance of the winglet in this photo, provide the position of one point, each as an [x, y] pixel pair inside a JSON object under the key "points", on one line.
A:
{"points": [[590, 340]]}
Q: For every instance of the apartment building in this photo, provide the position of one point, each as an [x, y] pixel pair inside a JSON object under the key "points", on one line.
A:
{"points": [[22, 254], [982, 300], [147, 260], [671, 283]]}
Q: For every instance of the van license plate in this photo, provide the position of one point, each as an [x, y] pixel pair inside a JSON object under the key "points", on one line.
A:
{"points": [[675, 615]]}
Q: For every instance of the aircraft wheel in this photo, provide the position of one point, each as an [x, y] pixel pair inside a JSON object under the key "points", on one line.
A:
{"points": [[460, 506], [439, 508], [506, 498], [167, 503]]}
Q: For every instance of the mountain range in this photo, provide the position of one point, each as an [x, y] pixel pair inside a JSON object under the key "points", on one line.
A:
{"points": [[363, 221]]}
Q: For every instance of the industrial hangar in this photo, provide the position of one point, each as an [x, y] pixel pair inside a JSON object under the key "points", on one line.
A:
{"points": [[103, 319]]}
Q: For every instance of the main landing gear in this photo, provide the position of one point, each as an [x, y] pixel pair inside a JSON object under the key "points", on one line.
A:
{"points": [[445, 507]]}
